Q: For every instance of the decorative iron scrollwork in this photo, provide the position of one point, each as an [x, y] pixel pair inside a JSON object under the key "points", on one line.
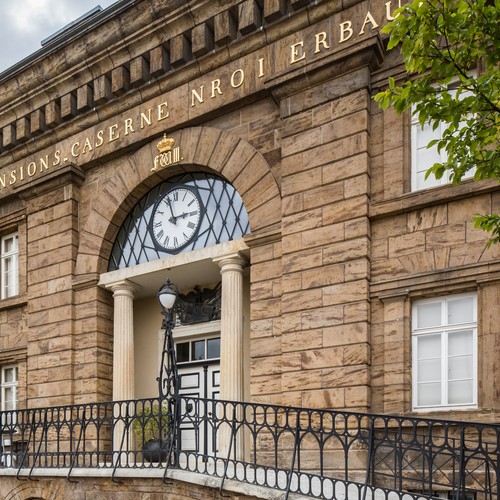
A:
{"points": [[198, 306]]}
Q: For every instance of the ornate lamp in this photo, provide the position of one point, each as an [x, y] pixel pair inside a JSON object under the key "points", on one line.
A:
{"points": [[168, 378], [167, 296], [168, 386]]}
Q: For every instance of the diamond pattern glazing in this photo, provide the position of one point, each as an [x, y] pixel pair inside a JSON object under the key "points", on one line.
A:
{"points": [[224, 219]]}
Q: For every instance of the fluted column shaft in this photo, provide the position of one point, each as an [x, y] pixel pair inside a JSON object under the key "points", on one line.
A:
{"points": [[231, 355], [123, 360], [123, 348], [231, 352]]}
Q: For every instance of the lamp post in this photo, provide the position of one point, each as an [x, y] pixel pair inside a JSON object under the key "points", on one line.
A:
{"points": [[168, 380], [168, 386]]}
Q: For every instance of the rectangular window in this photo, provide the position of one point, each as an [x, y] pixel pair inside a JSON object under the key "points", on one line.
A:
{"points": [[9, 279], [198, 350], [444, 347], [9, 388], [423, 158]]}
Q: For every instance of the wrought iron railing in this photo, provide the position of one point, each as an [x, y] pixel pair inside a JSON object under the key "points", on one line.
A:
{"points": [[320, 453]]}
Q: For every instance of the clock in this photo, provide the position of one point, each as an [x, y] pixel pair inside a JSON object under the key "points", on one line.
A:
{"points": [[176, 218]]}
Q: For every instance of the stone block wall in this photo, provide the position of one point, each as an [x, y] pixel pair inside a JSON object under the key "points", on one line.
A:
{"points": [[102, 488], [340, 246], [424, 245], [326, 246]]}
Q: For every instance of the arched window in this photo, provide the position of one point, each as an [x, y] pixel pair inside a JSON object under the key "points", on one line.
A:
{"points": [[184, 213]]}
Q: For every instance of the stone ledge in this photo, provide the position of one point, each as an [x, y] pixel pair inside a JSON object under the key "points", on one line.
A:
{"points": [[416, 200], [178, 475]]}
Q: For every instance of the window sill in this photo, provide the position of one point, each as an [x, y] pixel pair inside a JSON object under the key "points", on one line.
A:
{"points": [[472, 414], [11, 302], [430, 196]]}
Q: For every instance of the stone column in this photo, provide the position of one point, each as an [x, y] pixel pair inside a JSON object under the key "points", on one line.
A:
{"points": [[231, 354], [123, 356], [123, 343]]}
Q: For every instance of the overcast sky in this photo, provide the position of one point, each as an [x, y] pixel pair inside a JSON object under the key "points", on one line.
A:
{"points": [[25, 23]]}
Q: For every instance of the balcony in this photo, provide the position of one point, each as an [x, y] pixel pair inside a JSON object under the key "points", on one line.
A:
{"points": [[319, 453]]}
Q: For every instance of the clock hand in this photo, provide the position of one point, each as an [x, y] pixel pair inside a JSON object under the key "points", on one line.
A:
{"points": [[186, 214], [172, 219]]}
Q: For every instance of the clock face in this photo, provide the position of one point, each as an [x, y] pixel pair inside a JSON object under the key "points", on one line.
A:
{"points": [[176, 218]]}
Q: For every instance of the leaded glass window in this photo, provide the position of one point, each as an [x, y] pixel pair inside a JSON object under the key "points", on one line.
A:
{"points": [[224, 219]]}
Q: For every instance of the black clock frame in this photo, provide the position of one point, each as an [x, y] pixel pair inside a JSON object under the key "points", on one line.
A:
{"points": [[196, 193]]}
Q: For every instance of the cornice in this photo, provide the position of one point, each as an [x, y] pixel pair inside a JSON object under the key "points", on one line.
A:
{"points": [[137, 57]]}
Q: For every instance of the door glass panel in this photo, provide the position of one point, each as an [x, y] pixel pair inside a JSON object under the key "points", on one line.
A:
{"points": [[198, 350], [213, 348], [183, 352]]}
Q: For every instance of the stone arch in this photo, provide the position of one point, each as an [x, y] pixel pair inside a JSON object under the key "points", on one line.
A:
{"points": [[27, 491], [127, 179]]}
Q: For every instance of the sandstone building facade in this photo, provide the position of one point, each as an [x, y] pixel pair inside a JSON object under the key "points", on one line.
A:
{"points": [[348, 281]]}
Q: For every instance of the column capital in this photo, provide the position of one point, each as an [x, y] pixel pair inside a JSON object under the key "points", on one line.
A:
{"points": [[231, 262], [123, 288]]}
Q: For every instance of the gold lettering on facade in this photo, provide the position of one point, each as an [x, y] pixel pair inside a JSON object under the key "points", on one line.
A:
{"points": [[321, 40], [261, 67], [100, 139], [128, 126], [199, 96], [297, 52], [87, 146], [346, 31], [163, 111], [215, 87], [388, 14], [368, 19], [146, 119], [44, 163], [74, 148], [113, 134], [315, 44], [241, 75], [168, 154]]}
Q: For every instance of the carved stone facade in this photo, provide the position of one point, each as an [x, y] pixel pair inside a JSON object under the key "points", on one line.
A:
{"points": [[275, 97]]}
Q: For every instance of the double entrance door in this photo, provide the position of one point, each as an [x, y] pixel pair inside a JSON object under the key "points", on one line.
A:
{"points": [[198, 362]]}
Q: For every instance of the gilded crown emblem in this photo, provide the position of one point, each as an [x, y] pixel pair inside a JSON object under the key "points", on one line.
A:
{"points": [[165, 144]]}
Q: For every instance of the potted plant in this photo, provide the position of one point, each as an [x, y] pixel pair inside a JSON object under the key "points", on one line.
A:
{"points": [[152, 426]]}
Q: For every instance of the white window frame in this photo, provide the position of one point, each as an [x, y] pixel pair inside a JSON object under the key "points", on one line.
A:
{"points": [[444, 330], [439, 156], [14, 384], [9, 287]]}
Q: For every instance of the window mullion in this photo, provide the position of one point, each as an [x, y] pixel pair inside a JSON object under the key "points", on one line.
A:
{"points": [[444, 371]]}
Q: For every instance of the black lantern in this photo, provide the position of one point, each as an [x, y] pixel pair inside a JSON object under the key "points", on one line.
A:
{"points": [[167, 295], [167, 380], [168, 385]]}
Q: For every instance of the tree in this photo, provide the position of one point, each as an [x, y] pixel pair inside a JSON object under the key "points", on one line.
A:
{"points": [[441, 41]]}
